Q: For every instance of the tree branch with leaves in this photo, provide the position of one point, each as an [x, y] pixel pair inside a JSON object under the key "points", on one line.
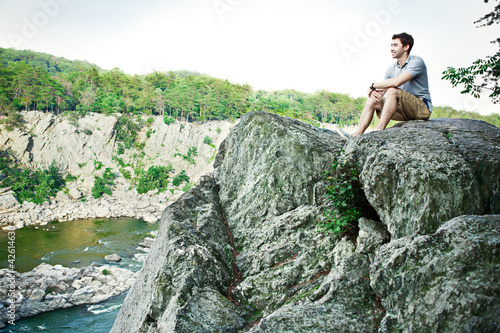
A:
{"points": [[483, 74]]}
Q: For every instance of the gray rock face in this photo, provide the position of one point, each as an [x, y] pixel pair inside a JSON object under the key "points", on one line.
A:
{"points": [[264, 200], [448, 281], [186, 273], [417, 175]]}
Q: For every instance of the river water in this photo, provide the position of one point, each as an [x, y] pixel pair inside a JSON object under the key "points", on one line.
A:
{"points": [[76, 244]]}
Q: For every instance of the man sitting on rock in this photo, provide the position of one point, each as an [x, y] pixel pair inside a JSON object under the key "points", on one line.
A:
{"points": [[404, 93]]}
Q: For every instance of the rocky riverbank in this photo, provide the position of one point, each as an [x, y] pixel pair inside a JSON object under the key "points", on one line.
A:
{"points": [[68, 207], [48, 288]]}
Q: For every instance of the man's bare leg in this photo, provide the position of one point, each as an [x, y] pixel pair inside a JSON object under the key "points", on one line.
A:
{"points": [[390, 106], [367, 116]]}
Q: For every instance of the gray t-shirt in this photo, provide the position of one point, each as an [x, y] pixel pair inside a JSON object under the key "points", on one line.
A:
{"points": [[419, 84]]}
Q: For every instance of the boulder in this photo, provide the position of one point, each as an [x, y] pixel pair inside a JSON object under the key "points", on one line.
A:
{"points": [[418, 175], [8, 201], [75, 194], [113, 257], [448, 281]]}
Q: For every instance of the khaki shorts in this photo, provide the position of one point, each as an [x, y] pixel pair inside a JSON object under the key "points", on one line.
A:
{"points": [[410, 107]]}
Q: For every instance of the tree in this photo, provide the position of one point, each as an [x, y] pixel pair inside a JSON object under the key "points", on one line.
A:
{"points": [[488, 69]]}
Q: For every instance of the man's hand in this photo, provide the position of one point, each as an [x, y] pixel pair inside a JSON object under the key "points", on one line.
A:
{"points": [[376, 95]]}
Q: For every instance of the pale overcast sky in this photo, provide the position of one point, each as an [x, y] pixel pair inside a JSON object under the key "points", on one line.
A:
{"points": [[308, 45]]}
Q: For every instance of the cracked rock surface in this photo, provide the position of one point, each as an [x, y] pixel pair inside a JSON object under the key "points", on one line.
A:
{"points": [[241, 250]]}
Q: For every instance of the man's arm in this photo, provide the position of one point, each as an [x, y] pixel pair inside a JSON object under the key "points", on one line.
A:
{"points": [[381, 87], [394, 82]]}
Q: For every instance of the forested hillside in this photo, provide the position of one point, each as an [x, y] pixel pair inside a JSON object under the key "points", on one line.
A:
{"points": [[39, 81]]}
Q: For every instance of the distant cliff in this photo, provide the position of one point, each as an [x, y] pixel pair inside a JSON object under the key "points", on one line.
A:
{"points": [[85, 147], [241, 250]]}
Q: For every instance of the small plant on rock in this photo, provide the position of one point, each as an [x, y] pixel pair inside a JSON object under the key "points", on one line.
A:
{"points": [[342, 193]]}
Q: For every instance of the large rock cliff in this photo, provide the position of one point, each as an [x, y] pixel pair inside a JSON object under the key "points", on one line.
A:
{"points": [[86, 146], [241, 250]]}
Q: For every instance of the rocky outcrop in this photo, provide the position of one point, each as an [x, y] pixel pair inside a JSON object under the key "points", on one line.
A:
{"points": [[448, 281], [417, 175], [47, 288], [241, 250]]}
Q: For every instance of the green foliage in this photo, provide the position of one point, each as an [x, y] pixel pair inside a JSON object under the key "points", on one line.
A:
{"points": [[102, 185], [229, 254], [70, 178], [12, 120], [483, 73], [187, 186], [98, 165], [126, 173], [127, 132], [168, 120], [191, 153], [207, 140], [155, 178], [105, 272], [35, 186], [120, 161], [179, 178], [343, 196]]}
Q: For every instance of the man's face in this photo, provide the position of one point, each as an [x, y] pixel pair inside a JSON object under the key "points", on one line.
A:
{"points": [[397, 48]]}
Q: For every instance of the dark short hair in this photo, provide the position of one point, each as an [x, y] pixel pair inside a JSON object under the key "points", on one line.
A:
{"points": [[405, 39]]}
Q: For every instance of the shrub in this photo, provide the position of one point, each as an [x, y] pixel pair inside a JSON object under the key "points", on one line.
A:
{"points": [[127, 131], [126, 173], [35, 186], [342, 193], [168, 120], [102, 185], [13, 120], [98, 165], [70, 178], [155, 178], [187, 186], [179, 178], [121, 148], [207, 140], [120, 161], [192, 151]]}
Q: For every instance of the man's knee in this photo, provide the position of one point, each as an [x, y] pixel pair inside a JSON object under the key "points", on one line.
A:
{"points": [[393, 92], [373, 105]]}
